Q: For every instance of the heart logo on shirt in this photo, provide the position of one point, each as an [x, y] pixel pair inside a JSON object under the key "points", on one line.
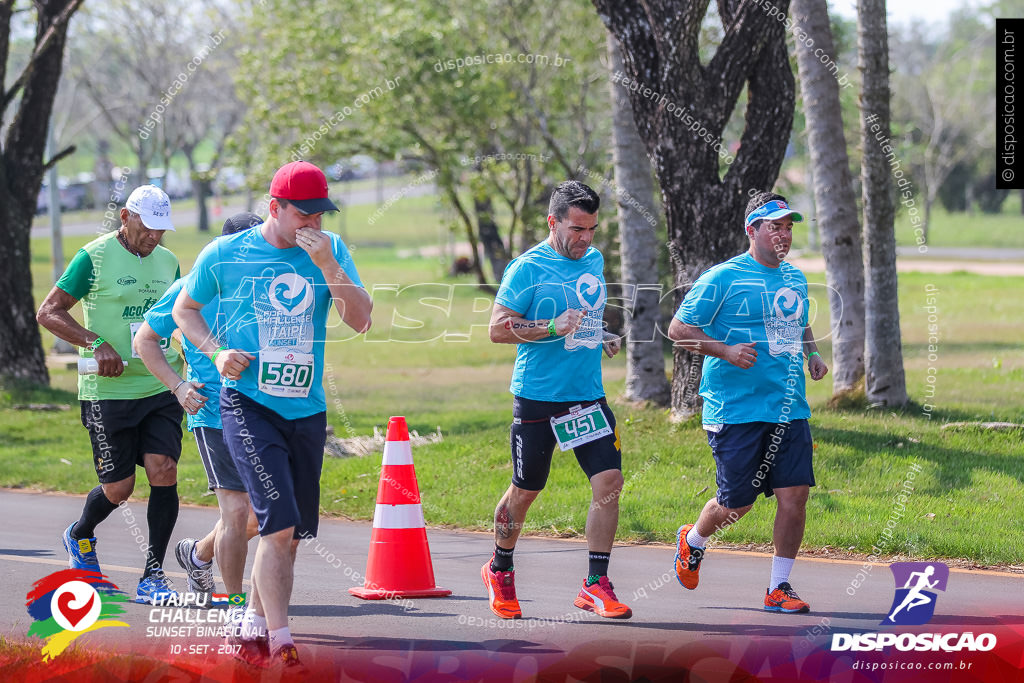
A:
{"points": [[290, 294], [590, 292]]}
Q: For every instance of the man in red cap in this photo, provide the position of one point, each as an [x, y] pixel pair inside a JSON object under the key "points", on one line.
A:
{"points": [[276, 284]]}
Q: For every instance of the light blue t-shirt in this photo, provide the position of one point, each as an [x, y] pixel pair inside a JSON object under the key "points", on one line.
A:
{"points": [[200, 368], [541, 284], [743, 301], [274, 304]]}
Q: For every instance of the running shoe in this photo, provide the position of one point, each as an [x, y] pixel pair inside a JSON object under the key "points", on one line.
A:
{"points": [[200, 579], [81, 551], [286, 660], [687, 559], [785, 599], [600, 599], [153, 588], [252, 651], [501, 588]]}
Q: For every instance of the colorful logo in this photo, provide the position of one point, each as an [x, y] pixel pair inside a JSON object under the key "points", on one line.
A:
{"points": [[914, 602], [70, 603]]}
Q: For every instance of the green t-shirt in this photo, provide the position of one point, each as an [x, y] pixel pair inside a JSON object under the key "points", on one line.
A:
{"points": [[116, 289]]}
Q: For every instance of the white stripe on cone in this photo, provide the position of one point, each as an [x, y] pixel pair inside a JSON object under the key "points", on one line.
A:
{"points": [[397, 453], [399, 517]]}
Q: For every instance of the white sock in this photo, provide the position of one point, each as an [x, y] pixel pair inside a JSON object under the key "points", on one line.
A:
{"points": [[253, 625], [280, 637], [781, 567], [195, 558], [694, 539]]}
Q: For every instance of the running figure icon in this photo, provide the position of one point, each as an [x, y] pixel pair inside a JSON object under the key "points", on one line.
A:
{"points": [[916, 597]]}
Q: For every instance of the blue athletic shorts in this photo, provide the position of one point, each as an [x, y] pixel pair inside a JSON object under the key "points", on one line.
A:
{"points": [[220, 466], [757, 457], [279, 461]]}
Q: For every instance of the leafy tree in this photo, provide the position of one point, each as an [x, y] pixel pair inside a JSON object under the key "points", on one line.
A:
{"points": [[704, 208], [25, 109], [499, 99]]}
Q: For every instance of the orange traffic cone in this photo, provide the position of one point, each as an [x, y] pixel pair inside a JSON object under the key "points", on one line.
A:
{"points": [[399, 565]]}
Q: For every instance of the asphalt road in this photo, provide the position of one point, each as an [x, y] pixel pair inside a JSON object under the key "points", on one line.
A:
{"points": [[333, 627]]}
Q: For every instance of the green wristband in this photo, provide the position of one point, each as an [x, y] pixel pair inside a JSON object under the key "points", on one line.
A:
{"points": [[213, 358], [96, 343], [551, 328], [813, 353]]}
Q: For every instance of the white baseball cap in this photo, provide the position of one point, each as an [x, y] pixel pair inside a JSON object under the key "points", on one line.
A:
{"points": [[153, 206]]}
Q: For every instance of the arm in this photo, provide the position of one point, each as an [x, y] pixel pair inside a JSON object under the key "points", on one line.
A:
{"points": [[188, 315], [509, 327], [147, 345], [815, 365], [352, 301], [54, 314], [612, 343], [694, 339]]}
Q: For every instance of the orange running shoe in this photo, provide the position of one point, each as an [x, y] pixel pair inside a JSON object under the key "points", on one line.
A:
{"points": [[785, 599], [501, 587], [687, 559], [600, 599]]}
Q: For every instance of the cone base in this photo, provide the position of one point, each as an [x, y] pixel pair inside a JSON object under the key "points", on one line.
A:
{"points": [[380, 594]]}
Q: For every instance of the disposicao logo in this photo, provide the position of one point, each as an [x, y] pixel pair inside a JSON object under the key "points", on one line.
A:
{"points": [[914, 602], [913, 605], [70, 603]]}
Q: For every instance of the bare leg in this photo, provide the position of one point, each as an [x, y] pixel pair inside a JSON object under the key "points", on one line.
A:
{"points": [[510, 515], [790, 519], [603, 516], [715, 517]]}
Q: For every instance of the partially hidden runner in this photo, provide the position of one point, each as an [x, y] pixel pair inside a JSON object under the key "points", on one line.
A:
{"points": [[229, 538]]}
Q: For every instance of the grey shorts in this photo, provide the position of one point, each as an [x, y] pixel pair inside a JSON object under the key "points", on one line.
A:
{"points": [[220, 467]]}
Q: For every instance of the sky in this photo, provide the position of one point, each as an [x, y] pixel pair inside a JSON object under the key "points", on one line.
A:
{"points": [[902, 12]]}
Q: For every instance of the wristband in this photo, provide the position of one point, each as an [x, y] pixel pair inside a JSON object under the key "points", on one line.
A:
{"points": [[813, 353], [96, 343], [175, 389], [551, 328], [213, 358]]}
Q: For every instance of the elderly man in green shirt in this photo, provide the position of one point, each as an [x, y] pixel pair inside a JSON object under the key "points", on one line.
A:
{"points": [[131, 417]]}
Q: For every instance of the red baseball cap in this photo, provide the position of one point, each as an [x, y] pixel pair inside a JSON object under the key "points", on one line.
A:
{"points": [[304, 185]]}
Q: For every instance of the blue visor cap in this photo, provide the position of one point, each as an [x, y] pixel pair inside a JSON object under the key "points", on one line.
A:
{"points": [[771, 211]]}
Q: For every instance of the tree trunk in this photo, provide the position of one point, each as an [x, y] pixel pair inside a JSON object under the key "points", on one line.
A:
{"points": [[883, 351], [833, 192], [645, 359], [199, 186], [21, 175], [494, 247], [681, 107]]}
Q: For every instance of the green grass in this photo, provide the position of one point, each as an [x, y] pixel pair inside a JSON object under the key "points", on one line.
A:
{"points": [[430, 360]]}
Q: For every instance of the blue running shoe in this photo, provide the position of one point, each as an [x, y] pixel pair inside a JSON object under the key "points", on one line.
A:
{"points": [[153, 588], [81, 551]]}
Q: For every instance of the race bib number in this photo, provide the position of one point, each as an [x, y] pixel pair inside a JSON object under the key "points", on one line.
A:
{"points": [[165, 343], [284, 373], [580, 426]]}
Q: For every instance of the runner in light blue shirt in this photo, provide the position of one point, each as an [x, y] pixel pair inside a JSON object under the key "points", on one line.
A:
{"points": [[551, 305], [749, 317], [276, 283]]}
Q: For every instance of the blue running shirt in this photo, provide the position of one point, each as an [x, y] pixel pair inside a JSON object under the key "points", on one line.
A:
{"points": [[274, 304], [743, 301], [541, 284], [200, 368]]}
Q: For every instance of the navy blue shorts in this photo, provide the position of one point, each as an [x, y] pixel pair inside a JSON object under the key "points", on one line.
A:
{"points": [[533, 442], [757, 457], [279, 461]]}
